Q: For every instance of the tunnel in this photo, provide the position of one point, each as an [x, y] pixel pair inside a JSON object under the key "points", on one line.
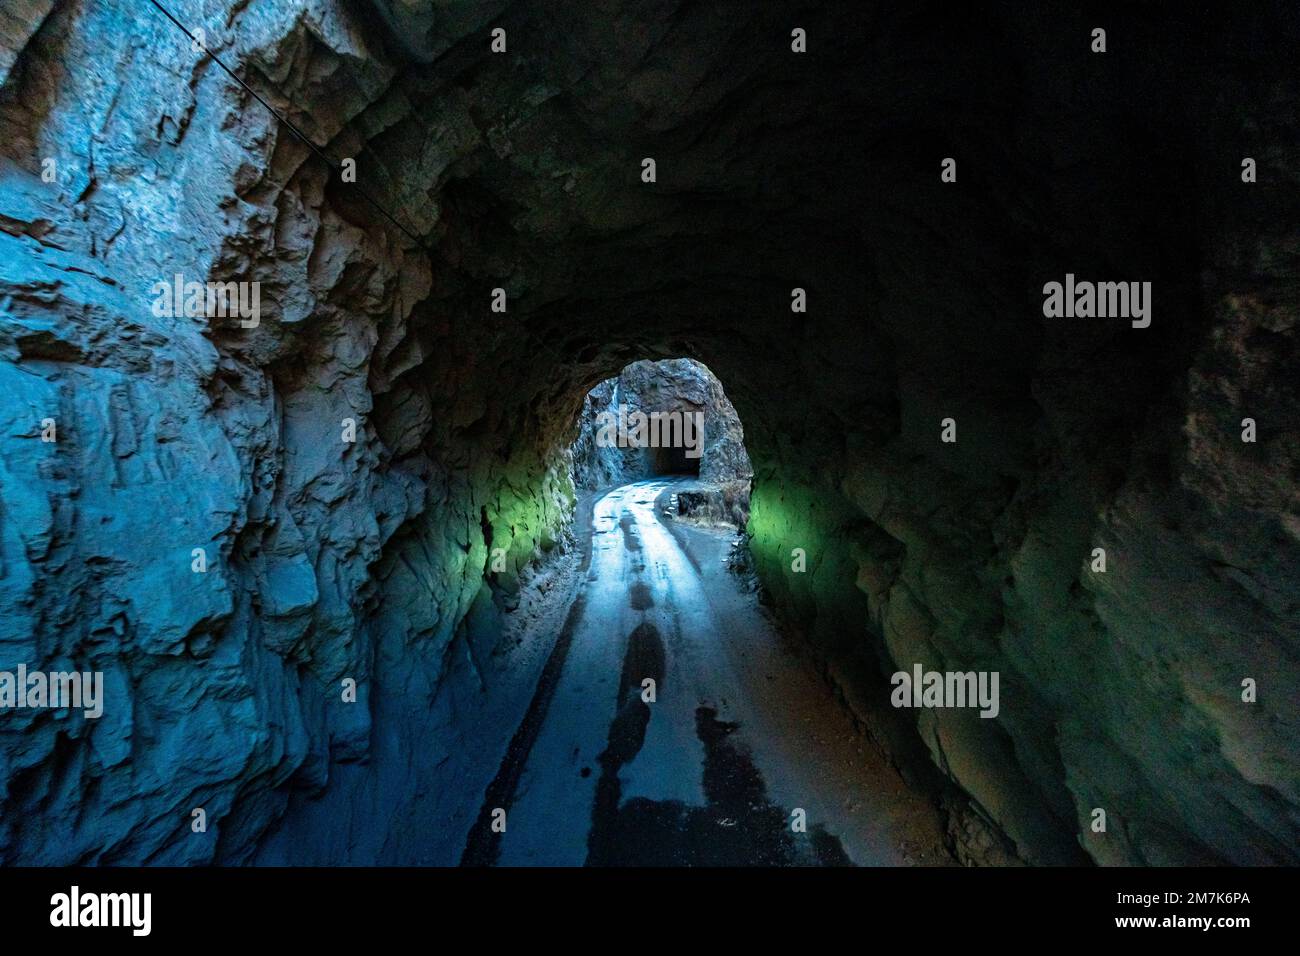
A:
{"points": [[660, 418], [673, 460], [323, 544]]}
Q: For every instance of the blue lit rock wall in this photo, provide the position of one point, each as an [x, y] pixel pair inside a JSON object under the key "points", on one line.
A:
{"points": [[326, 560]]}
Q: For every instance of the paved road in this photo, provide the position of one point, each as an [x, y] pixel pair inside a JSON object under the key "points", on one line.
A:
{"points": [[739, 736]]}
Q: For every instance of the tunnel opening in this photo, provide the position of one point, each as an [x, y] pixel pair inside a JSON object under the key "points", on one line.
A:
{"points": [[673, 460], [668, 418]]}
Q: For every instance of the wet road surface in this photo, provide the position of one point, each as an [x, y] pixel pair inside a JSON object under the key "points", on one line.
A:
{"points": [[718, 761]]}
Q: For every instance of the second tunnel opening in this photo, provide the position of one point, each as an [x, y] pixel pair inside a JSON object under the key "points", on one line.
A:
{"points": [[666, 418]]}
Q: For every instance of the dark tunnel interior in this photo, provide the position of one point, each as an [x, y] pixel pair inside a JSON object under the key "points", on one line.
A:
{"points": [[674, 460], [1009, 321]]}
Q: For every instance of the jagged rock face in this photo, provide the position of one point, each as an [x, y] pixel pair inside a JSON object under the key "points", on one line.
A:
{"points": [[678, 391], [372, 560]]}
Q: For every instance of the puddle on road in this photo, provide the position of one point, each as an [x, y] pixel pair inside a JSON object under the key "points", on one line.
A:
{"points": [[639, 597], [631, 536]]}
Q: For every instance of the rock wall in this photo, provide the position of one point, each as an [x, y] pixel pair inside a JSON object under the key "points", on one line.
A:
{"points": [[326, 559], [377, 561]]}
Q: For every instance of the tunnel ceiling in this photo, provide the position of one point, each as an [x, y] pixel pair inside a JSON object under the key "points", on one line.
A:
{"points": [[775, 170]]}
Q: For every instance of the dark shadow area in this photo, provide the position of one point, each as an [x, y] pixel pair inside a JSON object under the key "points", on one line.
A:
{"points": [[673, 461]]}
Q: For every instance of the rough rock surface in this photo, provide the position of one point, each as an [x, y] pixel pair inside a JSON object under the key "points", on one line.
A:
{"points": [[374, 560]]}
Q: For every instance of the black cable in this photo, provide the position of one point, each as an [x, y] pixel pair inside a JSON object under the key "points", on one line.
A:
{"points": [[293, 129]]}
